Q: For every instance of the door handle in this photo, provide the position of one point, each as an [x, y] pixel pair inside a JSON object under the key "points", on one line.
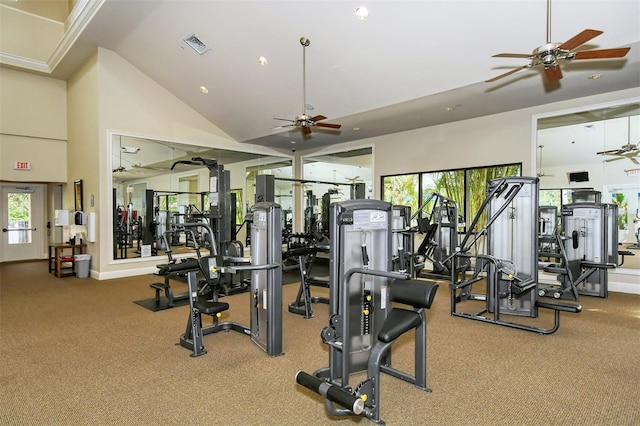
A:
{"points": [[4, 229]]}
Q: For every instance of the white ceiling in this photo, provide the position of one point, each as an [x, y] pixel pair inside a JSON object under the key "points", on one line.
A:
{"points": [[401, 69]]}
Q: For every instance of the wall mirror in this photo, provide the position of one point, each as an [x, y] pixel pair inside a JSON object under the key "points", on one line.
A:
{"points": [[330, 177], [150, 192], [594, 149]]}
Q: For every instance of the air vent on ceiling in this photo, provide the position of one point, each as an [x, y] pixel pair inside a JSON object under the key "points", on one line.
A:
{"points": [[196, 44]]}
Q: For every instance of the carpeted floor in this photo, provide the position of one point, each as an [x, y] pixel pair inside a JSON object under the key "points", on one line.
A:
{"points": [[79, 352]]}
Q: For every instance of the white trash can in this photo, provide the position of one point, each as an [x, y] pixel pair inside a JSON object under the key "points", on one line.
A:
{"points": [[82, 263]]}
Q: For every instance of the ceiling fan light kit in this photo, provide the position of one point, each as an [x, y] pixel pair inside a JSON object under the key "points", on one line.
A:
{"points": [[550, 54]]}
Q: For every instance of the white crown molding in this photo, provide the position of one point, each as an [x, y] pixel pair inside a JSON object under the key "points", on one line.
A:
{"points": [[81, 15], [25, 63]]}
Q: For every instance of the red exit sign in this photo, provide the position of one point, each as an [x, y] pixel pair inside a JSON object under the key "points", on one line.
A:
{"points": [[21, 165]]}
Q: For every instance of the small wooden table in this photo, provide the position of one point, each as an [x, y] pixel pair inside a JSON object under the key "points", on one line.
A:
{"points": [[57, 257]]}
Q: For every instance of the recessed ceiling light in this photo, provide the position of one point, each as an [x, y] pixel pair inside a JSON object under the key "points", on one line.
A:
{"points": [[356, 128], [595, 76], [263, 61], [203, 89], [362, 13], [293, 142]]}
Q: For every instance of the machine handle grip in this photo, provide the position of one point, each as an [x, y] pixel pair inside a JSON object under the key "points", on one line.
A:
{"points": [[330, 392], [365, 256]]}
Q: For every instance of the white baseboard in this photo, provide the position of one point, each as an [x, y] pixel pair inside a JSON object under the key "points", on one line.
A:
{"points": [[123, 273], [620, 280], [624, 288]]}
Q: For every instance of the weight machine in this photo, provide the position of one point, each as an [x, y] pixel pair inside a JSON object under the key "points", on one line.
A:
{"points": [[303, 251], [589, 248], [363, 324], [509, 268], [266, 283], [547, 230], [440, 230], [402, 240]]}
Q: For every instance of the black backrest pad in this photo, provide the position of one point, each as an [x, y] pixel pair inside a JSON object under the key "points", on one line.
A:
{"points": [[185, 265], [418, 294]]}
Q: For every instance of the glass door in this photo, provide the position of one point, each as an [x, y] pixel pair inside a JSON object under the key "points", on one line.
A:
{"points": [[22, 220]]}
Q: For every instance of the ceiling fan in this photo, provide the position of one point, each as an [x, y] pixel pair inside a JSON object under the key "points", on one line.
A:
{"points": [[551, 54], [540, 172], [141, 167], [304, 121], [627, 150]]}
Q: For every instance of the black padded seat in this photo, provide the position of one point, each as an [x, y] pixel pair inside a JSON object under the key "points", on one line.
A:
{"points": [[183, 266], [416, 293], [398, 322], [419, 295], [210, 308]]}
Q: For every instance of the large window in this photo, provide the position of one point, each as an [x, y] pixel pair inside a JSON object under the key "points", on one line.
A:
{"points": [[467, 187], [402, 190]]}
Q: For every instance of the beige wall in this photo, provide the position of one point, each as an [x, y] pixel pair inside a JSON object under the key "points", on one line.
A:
{"points": [[33, 127], [31, 36], [83, 146], [32, 105]]}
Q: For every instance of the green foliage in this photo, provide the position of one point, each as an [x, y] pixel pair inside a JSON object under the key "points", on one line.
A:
{"points": [[402, 190], [19, 207], [623, 217], [478, 179]]}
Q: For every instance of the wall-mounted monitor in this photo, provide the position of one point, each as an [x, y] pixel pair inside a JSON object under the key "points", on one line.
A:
{"points": [[579, 177]]}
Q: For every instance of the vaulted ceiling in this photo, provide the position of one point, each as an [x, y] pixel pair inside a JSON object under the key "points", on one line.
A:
{"points": [[411, 64]]}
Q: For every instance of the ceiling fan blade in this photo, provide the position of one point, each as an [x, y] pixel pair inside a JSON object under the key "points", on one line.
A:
{"points": [[318, 118], [613, 159], [508, 73], [284, 119], [633, 160], [579, 39], [283, 127], [305, 130], [553, 74], [329, 125], [602, 53], [512, 55], [609, 152]]}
